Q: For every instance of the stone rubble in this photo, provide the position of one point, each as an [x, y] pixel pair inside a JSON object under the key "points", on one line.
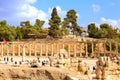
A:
{"points": [[107, 69]]}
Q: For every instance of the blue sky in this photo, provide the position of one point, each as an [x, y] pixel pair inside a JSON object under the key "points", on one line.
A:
{"points": [[88, 11]]}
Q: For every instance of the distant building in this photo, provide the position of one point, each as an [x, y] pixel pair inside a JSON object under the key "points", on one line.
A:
{"points": [[84, 33]]}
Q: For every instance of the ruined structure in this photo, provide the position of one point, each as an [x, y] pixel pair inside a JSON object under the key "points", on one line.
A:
{"points": [[67, 55], [74, 48], [107, 69]]}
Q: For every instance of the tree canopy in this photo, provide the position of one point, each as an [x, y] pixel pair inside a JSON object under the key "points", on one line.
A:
{"points": [[105, 31], [70, 25], [57, 28], [54, 22]]}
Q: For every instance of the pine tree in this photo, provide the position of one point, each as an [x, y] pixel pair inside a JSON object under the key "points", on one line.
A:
{"points": [[70, 23], [54, 22]]}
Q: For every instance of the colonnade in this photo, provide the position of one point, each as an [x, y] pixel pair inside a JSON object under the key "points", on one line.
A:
{"points": [[76, 49]]}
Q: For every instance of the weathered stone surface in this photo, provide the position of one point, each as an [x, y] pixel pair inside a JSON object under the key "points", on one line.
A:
{"points": [[32, 74], [43, 73], [107, 69], [82, 67]]}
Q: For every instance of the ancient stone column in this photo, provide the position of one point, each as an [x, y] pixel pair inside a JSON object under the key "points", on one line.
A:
{"points": [[23, 54], [30, 49], [110, 48], [80, 49], [68, 50], [116, 48], [46, 50], [7, 50], [13, 53], [63, 46], [52, 49], [19, 49], [35, 49], [57, 48], [86, 50], [75, 50], [92, 49], [2, 49], [41, 50], [104, 48]]}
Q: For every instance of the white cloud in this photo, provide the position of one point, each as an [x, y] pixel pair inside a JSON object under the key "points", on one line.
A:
{"points": [[78, 15], [115, 23], [30, 12], [61, 13], [96, 8], [30, 1], [22, 10]]}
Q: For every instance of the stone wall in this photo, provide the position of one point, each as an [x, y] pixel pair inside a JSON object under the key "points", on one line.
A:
{"points": [[107, 69]]}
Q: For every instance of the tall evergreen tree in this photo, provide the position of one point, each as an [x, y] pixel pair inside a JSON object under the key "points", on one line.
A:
{"points": [[70, 23], [25, 28], [54, 22], [64, 28]]}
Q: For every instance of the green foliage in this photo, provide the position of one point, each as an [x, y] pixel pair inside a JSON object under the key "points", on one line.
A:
{"points": [[95, 45], [89, 46], [25, 23], [19, 33], [66, 48], [103, 33], [107, 45], [93, 31], [104, 26], [12, 33], [7, 32], [30, 31], [70, 25], [71, 15], [25, 31], [113, 46], [117, 38], [118, 48], [107, 31], [57, 29], [64, 28], [54, 22], [39, 23]]}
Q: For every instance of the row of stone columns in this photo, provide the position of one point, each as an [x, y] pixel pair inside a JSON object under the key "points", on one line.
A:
{"points": [[21, 48], [53, 48]]}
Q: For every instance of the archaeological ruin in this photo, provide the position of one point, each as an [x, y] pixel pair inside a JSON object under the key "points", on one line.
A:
{"points": [[89, 59], [73, 48]]}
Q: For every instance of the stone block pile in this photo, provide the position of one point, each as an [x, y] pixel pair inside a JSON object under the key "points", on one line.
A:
{"points": [[107, 69]]}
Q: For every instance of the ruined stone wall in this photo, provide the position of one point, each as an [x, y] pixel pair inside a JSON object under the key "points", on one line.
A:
{"points": [[49, 48], [107, 69]]}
